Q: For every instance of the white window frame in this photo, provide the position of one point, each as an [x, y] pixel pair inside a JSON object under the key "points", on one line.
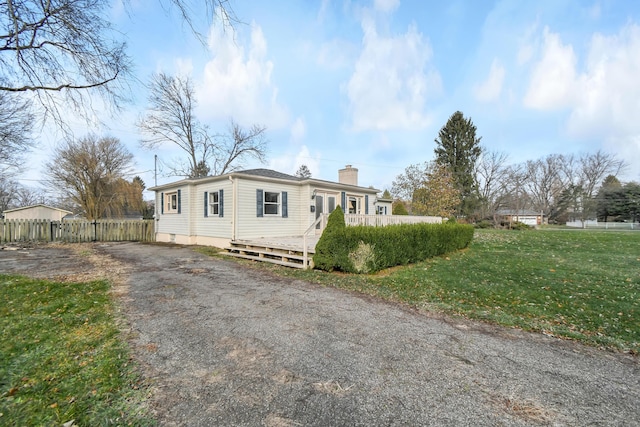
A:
{"points": [[171, 202], [331, 200], [277, 203], [214, 203], [358, 204]]}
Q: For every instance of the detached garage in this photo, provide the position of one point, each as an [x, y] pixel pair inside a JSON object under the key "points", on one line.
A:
{"points": [[36, 212]]}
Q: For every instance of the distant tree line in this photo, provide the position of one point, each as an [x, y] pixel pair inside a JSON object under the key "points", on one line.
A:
{"points": [[468, 181]]}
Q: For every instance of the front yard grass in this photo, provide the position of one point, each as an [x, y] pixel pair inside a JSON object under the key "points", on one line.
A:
{"points": [[583, 285], [62, 358]]}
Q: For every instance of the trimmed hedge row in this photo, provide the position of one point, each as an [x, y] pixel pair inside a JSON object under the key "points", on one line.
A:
{"points": [[365, 249]]}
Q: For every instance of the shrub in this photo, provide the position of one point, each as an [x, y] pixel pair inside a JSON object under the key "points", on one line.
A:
{"points": [[331, 252], [519, 226], [515, 225], [368, 249], [485, 223], [363, 258]]}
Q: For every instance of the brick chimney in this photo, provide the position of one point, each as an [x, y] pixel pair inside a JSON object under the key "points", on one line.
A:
{"points": [[348, 175]]}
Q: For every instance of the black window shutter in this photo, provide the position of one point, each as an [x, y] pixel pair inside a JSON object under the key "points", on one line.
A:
{"points": [[179, 202], [221, 203], [344, 202], [259, 203], [366, 204], [161, 203], [206, 204], [285, 210]]}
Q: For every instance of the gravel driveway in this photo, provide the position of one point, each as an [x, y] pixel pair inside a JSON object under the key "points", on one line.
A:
{"points": [[223, 344]]}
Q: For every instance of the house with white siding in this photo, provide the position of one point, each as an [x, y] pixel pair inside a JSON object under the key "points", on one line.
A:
{"points": [[256, 203]]}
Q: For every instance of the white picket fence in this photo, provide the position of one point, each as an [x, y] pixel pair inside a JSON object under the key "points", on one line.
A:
{"points": [[592, 224]]}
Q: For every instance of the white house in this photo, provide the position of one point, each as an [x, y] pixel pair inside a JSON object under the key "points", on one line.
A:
{"points": [[255, 203], [39, 211]]}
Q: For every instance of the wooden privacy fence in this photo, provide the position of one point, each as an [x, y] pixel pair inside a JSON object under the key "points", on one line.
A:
{"points": [[32, 230]]}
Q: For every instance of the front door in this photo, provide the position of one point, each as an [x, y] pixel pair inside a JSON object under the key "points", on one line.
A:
{"points": [[319, 208]]}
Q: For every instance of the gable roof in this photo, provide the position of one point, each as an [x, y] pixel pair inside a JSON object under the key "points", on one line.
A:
{"points": [[39, 205], [521, 212], [268, 173]]}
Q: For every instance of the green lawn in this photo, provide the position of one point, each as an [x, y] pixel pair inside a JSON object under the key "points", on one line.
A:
{"points": [[62, 358], [583, 285]]}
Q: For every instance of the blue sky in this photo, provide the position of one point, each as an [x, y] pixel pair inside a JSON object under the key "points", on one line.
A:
{"points": [[370, 83]]}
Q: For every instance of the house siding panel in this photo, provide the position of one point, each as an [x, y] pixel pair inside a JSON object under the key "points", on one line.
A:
{"points": [[251, 226], [174, 223], [214, 225]]}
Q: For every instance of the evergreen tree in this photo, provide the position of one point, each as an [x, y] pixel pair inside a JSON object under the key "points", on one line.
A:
{"points": [[458, 149], [303, 172], [399, 208]]}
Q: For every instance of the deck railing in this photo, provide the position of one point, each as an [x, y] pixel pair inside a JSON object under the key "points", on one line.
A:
{"points": [[384, 220]]}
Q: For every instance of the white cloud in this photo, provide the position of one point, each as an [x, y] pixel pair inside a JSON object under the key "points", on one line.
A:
{"points": [[603, 98], [610, 86], [335, 54], [386, 6], [237, 81], [391, 81], [594, 12], [298, 130], [290, 164], [553, 81], [628, 149], [184, 66], [491, 88]]}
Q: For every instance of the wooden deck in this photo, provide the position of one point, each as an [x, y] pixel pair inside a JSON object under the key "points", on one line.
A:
{"points": [[287, 251]]}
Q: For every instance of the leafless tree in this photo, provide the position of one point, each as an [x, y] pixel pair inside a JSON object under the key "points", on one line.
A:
{"points": [[16, 120], [26, 196], [543, 181], [8, 193], [65, 52], [492, 176], [171, 118], [239, 144], [89, 171], [593, 168]]}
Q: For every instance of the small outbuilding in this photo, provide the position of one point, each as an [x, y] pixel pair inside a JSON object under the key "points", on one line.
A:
{"points": [[39, 211]]}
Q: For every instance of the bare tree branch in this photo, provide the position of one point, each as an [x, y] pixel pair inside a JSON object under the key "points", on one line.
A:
{"points": [[171, 118], [16, 120]]}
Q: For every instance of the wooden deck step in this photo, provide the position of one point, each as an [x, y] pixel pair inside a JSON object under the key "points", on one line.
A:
{"points": [[276, 254], [263, 259]]}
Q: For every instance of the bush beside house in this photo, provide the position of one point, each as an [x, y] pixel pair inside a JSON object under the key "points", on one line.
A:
{"points": [[369, 249]]}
